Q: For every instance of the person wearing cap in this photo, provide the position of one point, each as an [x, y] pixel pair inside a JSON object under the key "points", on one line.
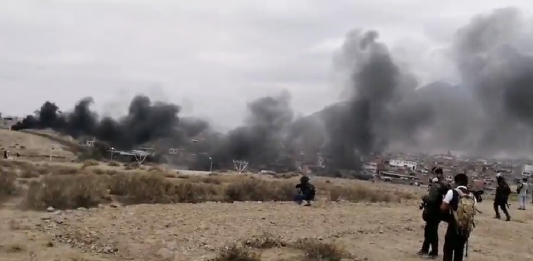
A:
{"points": [[306, 191], [501, 198]]}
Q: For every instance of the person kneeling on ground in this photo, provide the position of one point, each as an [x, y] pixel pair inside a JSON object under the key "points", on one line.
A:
{"points": [[306, 191], [460, 206]]}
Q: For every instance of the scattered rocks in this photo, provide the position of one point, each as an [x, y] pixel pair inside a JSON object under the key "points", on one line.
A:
{"points": [[50, 209], [165, 254]]}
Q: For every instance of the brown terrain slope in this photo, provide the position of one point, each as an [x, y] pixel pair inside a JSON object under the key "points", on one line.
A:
{"points": [[34, 147]]}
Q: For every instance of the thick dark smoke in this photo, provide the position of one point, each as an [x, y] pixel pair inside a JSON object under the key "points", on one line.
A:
{"points": [[493, 56], [146, 121], [380, 107], [260, 140], [489, 113]]}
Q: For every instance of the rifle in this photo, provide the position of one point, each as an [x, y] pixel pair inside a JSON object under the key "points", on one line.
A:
{"points": [[466, 249]]}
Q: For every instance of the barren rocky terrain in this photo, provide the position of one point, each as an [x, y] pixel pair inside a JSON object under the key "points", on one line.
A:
{"points": [[106, 211], [378, 231]]}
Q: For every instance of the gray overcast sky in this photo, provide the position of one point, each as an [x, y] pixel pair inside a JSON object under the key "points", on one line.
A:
{"points": [[209, 56]]}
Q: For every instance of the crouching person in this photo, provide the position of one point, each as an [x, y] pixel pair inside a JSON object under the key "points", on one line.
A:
{"points": [[306, 192]]}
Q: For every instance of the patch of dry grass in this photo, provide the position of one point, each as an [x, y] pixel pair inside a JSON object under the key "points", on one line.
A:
{"points": [[65, 187], [264, 241], [237, 253], [8, 185], [312, 249], [66, 192], [361, 193], [315, 249], [260, 190], [113, 164], [90, 163]]}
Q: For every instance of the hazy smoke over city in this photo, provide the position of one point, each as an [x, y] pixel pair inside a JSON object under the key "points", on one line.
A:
{"points": [[383, 108]]}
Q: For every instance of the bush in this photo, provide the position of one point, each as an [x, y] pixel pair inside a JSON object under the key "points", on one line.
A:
{"points": [[8, 185], [360, 193], [156, 189], [237, 253], [264, 241], [260, 190], [113, 164], [29, 173], [317, 250], [66, 192], [89, 163]]}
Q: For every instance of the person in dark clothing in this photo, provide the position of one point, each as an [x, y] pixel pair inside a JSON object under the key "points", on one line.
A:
{"points": [[306, 191], [501, 198], [433, 216], [455, 238]]}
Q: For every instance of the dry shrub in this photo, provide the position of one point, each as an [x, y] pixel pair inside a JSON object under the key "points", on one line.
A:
{"points": [[132, 165], [315, 249], [111, 172], [8, 185], [140, 189], [113, 164], [156, 168], [66, 192], [29, 173], [285, 175], [64, 170], [264, 241], [361, 193], [212, 180], [260, 190], [90, 163], [99, 171], [237, 253]]}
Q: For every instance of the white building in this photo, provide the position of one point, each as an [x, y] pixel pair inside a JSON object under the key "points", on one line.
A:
{"points": [[371, 167], [403, 163], [524, 170]]}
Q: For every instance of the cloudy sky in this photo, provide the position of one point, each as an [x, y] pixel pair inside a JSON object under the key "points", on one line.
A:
{"points": [[209, 56]]}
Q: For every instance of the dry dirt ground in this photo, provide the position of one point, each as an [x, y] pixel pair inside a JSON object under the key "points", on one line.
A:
{"points": [[377, 231]]}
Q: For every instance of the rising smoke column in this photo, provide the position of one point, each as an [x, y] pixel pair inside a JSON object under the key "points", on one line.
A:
{"points": [[260, 139], [377, 109], [493, 56]]}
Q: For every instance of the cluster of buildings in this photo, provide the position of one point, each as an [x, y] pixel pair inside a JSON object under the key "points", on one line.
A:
{"points": [[416, 169]]}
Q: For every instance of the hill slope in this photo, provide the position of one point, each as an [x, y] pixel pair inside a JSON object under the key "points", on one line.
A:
{"points": [[33, 147]]}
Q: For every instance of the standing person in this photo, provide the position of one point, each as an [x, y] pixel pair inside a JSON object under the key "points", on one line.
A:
{"points": [[501, 198], [522, 191], [433, 216], [460, 206]]}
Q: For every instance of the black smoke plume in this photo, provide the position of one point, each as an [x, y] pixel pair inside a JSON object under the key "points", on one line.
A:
{"points": [[488, 113], [380, 108], [260, 140], [146, 121]]}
